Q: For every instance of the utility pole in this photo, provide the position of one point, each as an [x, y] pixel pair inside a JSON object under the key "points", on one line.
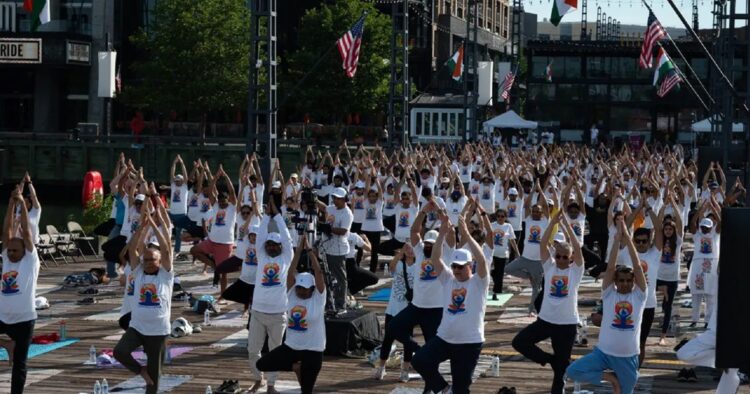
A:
{"points": [[470, 71], [262, 95], [400, 88]]}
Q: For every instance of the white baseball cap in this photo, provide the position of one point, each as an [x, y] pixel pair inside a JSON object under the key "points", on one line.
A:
{"points": [[274, 237], [179, 177], [293, 175], [304, 279], [339, 192], [512, 191], [253, 229], [706, 222], [559, 237], [359, 185], [431, 236], [276, 185], [445, 179], [460, 257], [140, 197]]}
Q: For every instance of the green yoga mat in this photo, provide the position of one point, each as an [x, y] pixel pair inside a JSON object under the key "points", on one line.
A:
{"points": [[38, 350], [501, 299]]}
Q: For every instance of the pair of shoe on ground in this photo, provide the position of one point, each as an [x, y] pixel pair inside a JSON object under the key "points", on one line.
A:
{"points": [[687, 375], [380, 374]]}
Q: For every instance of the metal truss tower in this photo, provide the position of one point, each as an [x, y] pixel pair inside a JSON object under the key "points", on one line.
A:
{"points": [[599, 17], [584, 22], [399, 92], [470, 69]]}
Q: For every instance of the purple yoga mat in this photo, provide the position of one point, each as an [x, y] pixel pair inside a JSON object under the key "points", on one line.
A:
{"points": [[140, 356]]}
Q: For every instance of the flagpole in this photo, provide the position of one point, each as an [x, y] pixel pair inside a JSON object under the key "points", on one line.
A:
{"points": [[309, 72], [684, 79], [687, 63]]}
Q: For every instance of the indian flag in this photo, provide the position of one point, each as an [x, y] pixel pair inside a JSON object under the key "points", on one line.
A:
{"points": [[664, 66], [39, 10], [456, 64], [561, 8]]}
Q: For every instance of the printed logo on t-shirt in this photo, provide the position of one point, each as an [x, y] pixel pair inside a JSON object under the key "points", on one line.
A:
{"points": [[475, 189], [559, 286], [464, 171], [577, 229], [193, 202], [699, 284], [10, 283], [271, 276], [250, 257], [705, 247], [176, 196], [498, 238], [204, 206], [458, 297], [535, 233], [149, 296], [667, 258], [359, 203], [130, 290], [241, 232], [403, 219], [296, 320], [370, 213], [706, 266], [221, 218], [644, 267], [486, 195], [623, 316], [432, 216], [390, 204], [511, 210], [133, 226], [428, 271]]}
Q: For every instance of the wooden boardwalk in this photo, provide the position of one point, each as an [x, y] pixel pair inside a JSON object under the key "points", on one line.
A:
{"points": [[63, 371]]}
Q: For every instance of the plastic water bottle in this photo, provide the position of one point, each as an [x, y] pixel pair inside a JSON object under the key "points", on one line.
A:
{"points": [[585, 333], [105, 386], [576, 388], [208, 389], [495, 367], [63, 331], [207, 317], [97, 388], [675, 326], [92, 355], [167, 356], [387, 271]]}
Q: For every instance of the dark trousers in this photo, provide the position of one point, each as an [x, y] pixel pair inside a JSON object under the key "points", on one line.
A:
{"points": [[21, 334], [562, 336], [124, 321], [390, 247], [402, 326], [646, 321], [374, 238], [666, 303], [464, 358], [358, 278], [232, 264], [389, 222], [519, 242], [337, 267], [281, 359], [154, 347], [592, 262], [356, 228], [498, 273], [600, 239], [180, 222], [385, 346]]}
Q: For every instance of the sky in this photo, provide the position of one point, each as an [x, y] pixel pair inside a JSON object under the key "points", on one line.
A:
{"points": [[633, 12]]}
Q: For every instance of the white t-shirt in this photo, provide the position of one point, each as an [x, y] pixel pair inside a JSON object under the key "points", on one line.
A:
{"points": [[373, 219], [18, 288], [247, 197], [533, 237], [358, 207], [355, 241], [397, 302], [474, 188], [706, 245], [651, 267], [178, 199], [222, 224], [194, 207], [246, 251], [132, 216], [35, 215], [432, 220], [426, 283], [577, 226], [270, 278], [455, 208], [391, 201], [487, 197], [128, 292], [151, 314], [515, 212], [464, 305], [501, 235], [669, 267], [305, 328], [465, 172], [620, 332], [338, 245], [560, 302], [404, 220]]}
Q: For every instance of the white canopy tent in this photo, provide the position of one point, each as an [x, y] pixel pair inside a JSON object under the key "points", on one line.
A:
{"points": [[509, 120], [704, 126]]}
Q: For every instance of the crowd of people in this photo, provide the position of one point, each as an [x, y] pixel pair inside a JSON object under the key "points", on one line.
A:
{"points": [[453, 221]]}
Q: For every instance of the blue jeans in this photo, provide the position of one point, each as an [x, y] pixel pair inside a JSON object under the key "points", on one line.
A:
{"points": [[180, 221], [590, 367], [112, 265], [463, 359]]}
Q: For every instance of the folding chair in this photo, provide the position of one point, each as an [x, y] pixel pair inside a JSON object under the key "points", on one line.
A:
{"points": [[78, 235], [45, 248], [65, 246]]}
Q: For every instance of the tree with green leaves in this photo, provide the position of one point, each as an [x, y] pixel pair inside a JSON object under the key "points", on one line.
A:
{"points": [[195, 58], [328, 94]]}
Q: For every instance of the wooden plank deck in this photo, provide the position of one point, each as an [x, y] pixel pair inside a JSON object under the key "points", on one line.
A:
{"points": [[210, 365]]}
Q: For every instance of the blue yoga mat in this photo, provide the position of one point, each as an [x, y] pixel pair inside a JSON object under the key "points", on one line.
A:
{"points": [[38, 350], [382, 295]]}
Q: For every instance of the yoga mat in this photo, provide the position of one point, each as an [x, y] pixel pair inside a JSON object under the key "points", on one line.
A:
{"points": [[239, 338], [202, 290], [501, 299], [287, 387], [42, 288], [136, 385], [483, 364], [193, 277], [114, 337], [516, 315], [382, 295], [113, 315], [38, 350], [140, 356], [32, 376], [229, 319]]}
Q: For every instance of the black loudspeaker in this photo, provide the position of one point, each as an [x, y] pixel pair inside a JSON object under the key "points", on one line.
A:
{"points": [[732, 339]]}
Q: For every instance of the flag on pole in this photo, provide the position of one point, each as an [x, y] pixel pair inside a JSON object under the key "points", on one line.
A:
{"points": [[672, 80], [666, 75], [39, 10], [561, 8], [456, 63], [548, 72], [118, 81], [349, 45], [654, 33], [508, 84]]}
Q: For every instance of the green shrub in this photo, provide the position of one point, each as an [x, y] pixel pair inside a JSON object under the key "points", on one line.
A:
{"points": [[96, 212]]}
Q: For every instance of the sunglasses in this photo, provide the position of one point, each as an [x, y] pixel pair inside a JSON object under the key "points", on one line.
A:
{"points": [[501, 216], [458, 266], [245, 212], [562, 257], [641, 241]]}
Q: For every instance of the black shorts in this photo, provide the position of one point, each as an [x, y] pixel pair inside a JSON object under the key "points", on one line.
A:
{"points": [[239, 292], [646, 321], [113, 247], [196, 231]]}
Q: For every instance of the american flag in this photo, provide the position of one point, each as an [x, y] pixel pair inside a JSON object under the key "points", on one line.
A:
{"points": [[118, 81], [508, 84], [670, 81], [349, 45], [654, 33]]}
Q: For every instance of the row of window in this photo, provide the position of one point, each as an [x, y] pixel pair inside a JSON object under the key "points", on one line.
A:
{"points": [[590, 92], [613, 118], [604, 67]]}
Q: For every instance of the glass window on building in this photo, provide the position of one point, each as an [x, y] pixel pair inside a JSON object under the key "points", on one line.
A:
{"points": [[630, 119], [641, 92], [572, 67], [700, 66], [542, 92], [598, 67], [571, 92], [620, 93], [539, 66], [598, 93], [77, 15], [624, 67]]}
